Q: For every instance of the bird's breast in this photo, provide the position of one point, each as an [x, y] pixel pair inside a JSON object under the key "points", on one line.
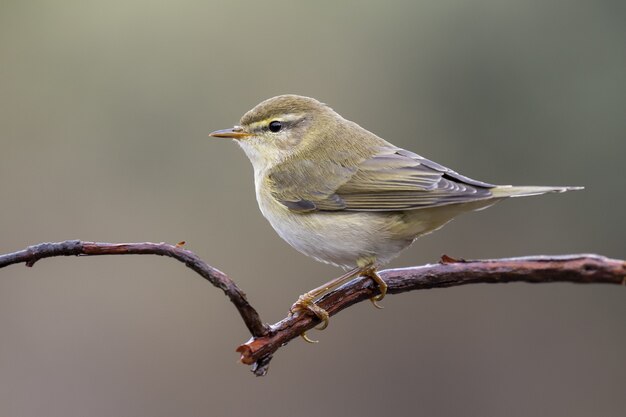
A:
{"points": [[337, 237]]}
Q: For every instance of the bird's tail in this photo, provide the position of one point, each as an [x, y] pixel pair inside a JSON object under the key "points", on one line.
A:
{"points": [[527, 190]]}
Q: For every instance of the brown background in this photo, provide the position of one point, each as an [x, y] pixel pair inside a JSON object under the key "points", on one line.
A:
{"points": [[104, 112]]}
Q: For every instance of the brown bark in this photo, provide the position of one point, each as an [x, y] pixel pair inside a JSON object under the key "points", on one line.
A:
{"points": [[216, 277], [258, 351]]}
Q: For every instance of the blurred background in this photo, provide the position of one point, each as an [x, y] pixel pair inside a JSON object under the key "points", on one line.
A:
{"points": [[104, 113]]}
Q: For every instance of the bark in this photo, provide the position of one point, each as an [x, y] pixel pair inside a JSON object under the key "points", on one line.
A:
{"points": [[266, 340]]}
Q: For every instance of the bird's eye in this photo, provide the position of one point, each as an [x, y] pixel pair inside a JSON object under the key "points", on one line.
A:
{"points": [[275, 126]]}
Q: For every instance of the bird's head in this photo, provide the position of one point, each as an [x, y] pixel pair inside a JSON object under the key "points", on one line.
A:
{"points": [[280, 127]]}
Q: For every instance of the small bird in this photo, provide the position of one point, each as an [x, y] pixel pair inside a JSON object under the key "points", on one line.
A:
{"points": [[344, 196]]}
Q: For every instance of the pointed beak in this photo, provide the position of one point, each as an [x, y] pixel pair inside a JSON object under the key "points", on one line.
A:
{"points": [[236, 132]]}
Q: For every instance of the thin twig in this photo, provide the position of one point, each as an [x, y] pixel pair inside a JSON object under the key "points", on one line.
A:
{"points": [[582, 269], [216, 277]]}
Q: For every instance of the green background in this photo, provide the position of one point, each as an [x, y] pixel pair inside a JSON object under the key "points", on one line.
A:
{"points": [[104, 113]]}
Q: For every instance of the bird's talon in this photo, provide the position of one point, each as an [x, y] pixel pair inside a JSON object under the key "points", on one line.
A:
{"points": [[375, 301], [382, 287], [305, 302], [323, 324], [379, 297], [321, 314], [306, 338]]}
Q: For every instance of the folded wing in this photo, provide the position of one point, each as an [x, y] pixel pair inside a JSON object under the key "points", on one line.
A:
{"points": [[393, 179]]}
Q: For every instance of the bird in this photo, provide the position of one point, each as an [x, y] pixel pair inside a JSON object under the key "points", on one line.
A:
{"points": [[344, 196]]}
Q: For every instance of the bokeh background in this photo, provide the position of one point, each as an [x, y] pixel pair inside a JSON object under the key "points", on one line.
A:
{"points": [[104, 113]]}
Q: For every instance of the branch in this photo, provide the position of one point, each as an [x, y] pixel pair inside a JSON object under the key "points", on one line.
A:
{"points": [[581, 269], [216, 277], [258, 351]]}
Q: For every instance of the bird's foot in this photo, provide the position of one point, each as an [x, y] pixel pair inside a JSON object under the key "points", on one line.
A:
{"points": [[306, 303], [382, 286]]}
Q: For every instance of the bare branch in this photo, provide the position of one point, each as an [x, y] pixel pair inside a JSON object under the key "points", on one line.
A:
{"points": [[216, 277], [265, 340], [582, 269]]}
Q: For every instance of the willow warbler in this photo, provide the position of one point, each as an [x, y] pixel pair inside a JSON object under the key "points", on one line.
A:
{"points": [[342, 195]]}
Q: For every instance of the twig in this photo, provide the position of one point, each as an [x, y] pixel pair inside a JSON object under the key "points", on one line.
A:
{"points": [[582, 269], [265, 340], [216, 277]]}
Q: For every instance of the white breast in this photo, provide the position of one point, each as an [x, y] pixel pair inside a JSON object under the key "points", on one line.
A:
{"points": [[339, 238]]}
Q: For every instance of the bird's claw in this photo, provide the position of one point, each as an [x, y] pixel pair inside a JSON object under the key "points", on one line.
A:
{"points": [[306, 338], [305, 303], [382, 287], [375, 301]]}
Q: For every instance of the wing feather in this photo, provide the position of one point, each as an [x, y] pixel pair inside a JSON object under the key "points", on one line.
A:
{"points": [[393, 179]]}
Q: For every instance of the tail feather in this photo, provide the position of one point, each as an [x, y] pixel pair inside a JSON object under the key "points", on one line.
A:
{"points": [[528, 190]]}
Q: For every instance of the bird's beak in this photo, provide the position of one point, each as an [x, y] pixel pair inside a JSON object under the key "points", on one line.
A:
{"points": [[236, 132]]}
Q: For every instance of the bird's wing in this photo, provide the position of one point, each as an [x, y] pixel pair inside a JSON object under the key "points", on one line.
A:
{"points": [[393, 179], [298, 189]]}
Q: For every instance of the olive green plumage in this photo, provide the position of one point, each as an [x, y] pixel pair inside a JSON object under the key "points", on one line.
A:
{"points": [[343, 195]]}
